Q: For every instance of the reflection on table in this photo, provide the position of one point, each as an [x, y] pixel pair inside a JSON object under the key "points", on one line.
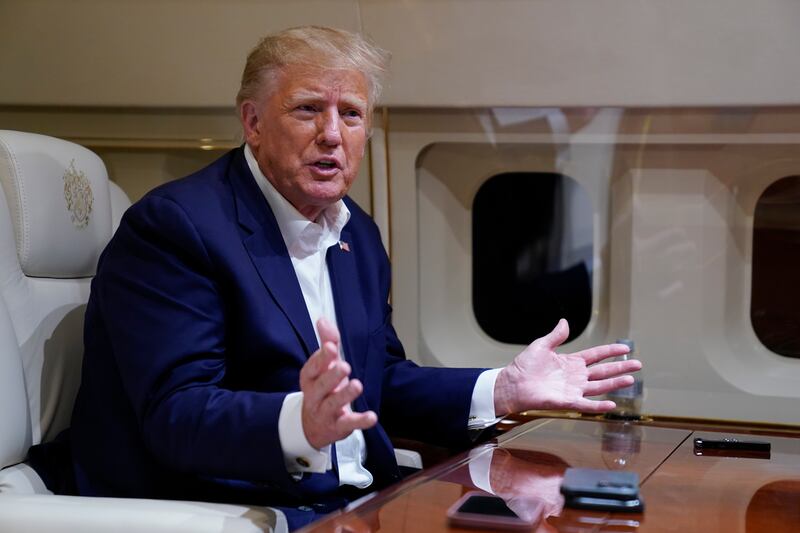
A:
{"points": [[682, 491]]}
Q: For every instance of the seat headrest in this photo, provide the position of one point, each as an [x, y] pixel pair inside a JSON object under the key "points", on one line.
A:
{"points": [[58, 197]]}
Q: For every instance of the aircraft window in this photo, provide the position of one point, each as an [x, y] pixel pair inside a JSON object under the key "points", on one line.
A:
{"points": [[532, 249], [774, 312]]}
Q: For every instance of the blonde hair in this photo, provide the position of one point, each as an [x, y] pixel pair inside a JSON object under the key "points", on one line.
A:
{"points": [[313, 46]]}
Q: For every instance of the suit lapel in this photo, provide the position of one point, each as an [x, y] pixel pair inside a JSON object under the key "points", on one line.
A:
{"points": [[268, 252], [351, 315]]}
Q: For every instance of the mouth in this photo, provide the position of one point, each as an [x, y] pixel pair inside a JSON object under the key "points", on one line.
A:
{"points": [[326, 165]]}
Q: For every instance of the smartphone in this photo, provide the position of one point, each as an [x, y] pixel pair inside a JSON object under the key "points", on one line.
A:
{"points": [[730, 447], [601, 490], [480, 510]]}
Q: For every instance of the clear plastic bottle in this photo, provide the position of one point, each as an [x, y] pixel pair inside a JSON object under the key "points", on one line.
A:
{"points": [[628, 399], [621, 444]]}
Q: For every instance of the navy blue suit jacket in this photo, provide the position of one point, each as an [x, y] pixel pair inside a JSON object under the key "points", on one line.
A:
{"points": [[196, 329]]}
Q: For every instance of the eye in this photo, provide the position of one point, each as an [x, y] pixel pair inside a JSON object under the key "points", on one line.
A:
{"points": [[352, 113], [307, 108]]}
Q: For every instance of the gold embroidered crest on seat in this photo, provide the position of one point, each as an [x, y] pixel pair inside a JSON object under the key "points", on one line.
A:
{"points": [[78, 194]]}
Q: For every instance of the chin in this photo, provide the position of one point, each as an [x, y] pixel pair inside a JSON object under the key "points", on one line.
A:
{"points": [[326, 193]]}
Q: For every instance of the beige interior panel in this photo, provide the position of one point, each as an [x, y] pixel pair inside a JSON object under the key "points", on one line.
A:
{"points": [[456, 53], [673, 244], [446, 53], [142, 53]]}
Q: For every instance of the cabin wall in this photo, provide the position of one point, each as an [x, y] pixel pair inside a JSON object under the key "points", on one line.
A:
{"points": [[673, 195], [673, 116], [447, 53]]}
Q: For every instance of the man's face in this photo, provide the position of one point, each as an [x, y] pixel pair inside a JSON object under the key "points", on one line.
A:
{"points": [[308, 134]]}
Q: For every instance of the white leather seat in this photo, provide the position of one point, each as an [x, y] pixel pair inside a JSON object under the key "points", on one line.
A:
{"points": [[57, 212]]}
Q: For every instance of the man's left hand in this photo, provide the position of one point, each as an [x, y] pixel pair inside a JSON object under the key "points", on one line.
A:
{"points": [[540, 378]]}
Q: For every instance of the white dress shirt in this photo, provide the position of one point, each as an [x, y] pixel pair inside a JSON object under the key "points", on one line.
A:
{"points": [[307, 243]]}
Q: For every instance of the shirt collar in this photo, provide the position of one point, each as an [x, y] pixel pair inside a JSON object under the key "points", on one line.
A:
{"points": [[301, 235]]}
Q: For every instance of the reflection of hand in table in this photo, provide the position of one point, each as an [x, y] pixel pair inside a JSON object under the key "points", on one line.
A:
{"points": [[358, 522], [353, 524], [518, 480]]}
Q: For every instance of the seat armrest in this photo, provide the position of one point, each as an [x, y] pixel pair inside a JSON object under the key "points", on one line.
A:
{"points": [[408, 458], [39, 513], [21, 479]]}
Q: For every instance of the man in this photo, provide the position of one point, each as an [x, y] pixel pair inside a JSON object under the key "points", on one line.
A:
{"points": [[204, 374]]}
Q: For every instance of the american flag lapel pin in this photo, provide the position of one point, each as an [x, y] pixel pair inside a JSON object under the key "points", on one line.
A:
{"points": [[344, 246]]}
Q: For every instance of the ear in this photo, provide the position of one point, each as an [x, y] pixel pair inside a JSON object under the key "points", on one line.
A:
{"points": [[248, 114]]}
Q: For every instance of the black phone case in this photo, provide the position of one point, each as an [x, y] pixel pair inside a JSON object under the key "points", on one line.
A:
{"points": [[605, 490]]}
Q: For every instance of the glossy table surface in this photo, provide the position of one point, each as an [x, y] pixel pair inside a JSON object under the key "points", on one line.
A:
{"points": [[682, 491]]}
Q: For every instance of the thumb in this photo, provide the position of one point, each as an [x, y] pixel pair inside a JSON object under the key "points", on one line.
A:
{"points": [[327, 332], [556, 337]]}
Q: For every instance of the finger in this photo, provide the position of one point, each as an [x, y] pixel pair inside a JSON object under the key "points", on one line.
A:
{"points": [[351, 421], [556, 337], [616, 368], [319, 362], [318, 389], [595, 388], [331, 379], [598, 353], [342, 397], [343, 383], [594, 406], [327, 332]]}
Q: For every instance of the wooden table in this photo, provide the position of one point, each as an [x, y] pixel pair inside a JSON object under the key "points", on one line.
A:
{"points": [[682, 491]]}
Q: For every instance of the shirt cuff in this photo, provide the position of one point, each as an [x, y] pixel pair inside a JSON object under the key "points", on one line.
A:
{"points": [[298, 455], [481, 409], [480, 469]]}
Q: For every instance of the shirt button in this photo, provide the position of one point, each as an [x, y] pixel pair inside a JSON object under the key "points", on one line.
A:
{"points": [[302, 461]]}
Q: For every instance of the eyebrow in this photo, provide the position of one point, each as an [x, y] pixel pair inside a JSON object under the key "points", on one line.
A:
{"points": [[302, 95]]}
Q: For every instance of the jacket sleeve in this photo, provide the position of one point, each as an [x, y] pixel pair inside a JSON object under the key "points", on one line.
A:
{"points": [[421, 403], [425, 403]]}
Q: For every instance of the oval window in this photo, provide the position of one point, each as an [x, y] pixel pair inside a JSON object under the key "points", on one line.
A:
{"points": [[774, 310], [532, 249]]}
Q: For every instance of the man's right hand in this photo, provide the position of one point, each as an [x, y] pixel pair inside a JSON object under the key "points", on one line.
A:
{"points": [[328, 391]]}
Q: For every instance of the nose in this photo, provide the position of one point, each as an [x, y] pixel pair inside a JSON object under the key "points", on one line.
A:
{"points": [[329, 131]]}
